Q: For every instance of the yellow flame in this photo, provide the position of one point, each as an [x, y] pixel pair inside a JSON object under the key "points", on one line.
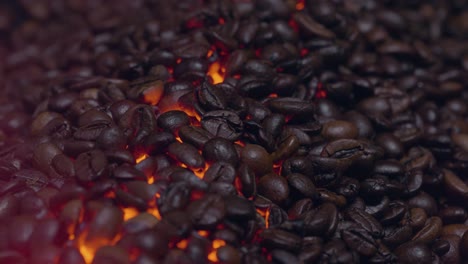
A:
{"points": [[216, 72], [89, 248]]}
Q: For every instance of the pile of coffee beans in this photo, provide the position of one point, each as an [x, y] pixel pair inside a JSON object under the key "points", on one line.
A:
{"points": [[233, 131]]}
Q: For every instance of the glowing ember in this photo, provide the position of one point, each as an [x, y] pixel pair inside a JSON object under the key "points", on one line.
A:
{"points": [[141, 158], [217, 243], [321, 93], [129, 213], [203, 233], [150, 179], [300, 5], [216, 72], [182, 244], [201, 173], [153, 95]]}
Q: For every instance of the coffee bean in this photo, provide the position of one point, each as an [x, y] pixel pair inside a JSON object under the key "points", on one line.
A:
{"points": [[339, 129], [413, 252], [223, 124], [273, 187], [91, 166], [186, 154], [430, 231], [220, 149], [256, 158], [207, 212]]}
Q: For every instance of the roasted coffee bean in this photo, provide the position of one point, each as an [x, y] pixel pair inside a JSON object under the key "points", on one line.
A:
{"points": [[365, 221], [277, 238], [208, 211], [339, 129], [453, 214], [256, 158], [171, 121], [411, 252], [220, 149], [359, 240], [220, 172], [223, 124], [194, 135], [431, 230], [274, 187], [321, 221], [247, 180], [186, 154], [91, 166], [302, 185]]}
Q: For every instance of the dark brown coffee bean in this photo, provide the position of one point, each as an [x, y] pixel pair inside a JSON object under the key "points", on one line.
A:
{"points": [[431, 230], [424, 201], [339, 129], [111, 254], [194, 135], [223, 124], [453, 254], [360, 240], [454, 185], [186, 154], [171, 121], [365, 221], [247, 180], [321, 221], [220, 172], [257, 158], [106, 223], [311, 27], [277, 238], [91, 166], [207, 211], [412, 252], [239, 209], [453, 214], [71, 255], [273, 187], [302, 185], [220, 149]]}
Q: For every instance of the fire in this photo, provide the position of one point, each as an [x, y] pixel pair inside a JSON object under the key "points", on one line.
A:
{"points": [[216, 71], [217, 243], [89, 248], [203, 233]]}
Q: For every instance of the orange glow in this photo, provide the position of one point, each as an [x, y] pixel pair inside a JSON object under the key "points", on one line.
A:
{"points": [[210, 53], [182, 244], [141, 158], [89, 248], [155, 212], [203, 233], [153, 208], [300, 5], [216, 71], [201, 173], [178, 139], [273, 95], [153, 95], [150, 179], [265, 214], [179, 60], [129, 213], [221, 21], [217, 243], [189, 112]]}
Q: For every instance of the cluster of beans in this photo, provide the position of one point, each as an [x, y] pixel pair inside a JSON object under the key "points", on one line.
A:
{"points": [[233, 131]]}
